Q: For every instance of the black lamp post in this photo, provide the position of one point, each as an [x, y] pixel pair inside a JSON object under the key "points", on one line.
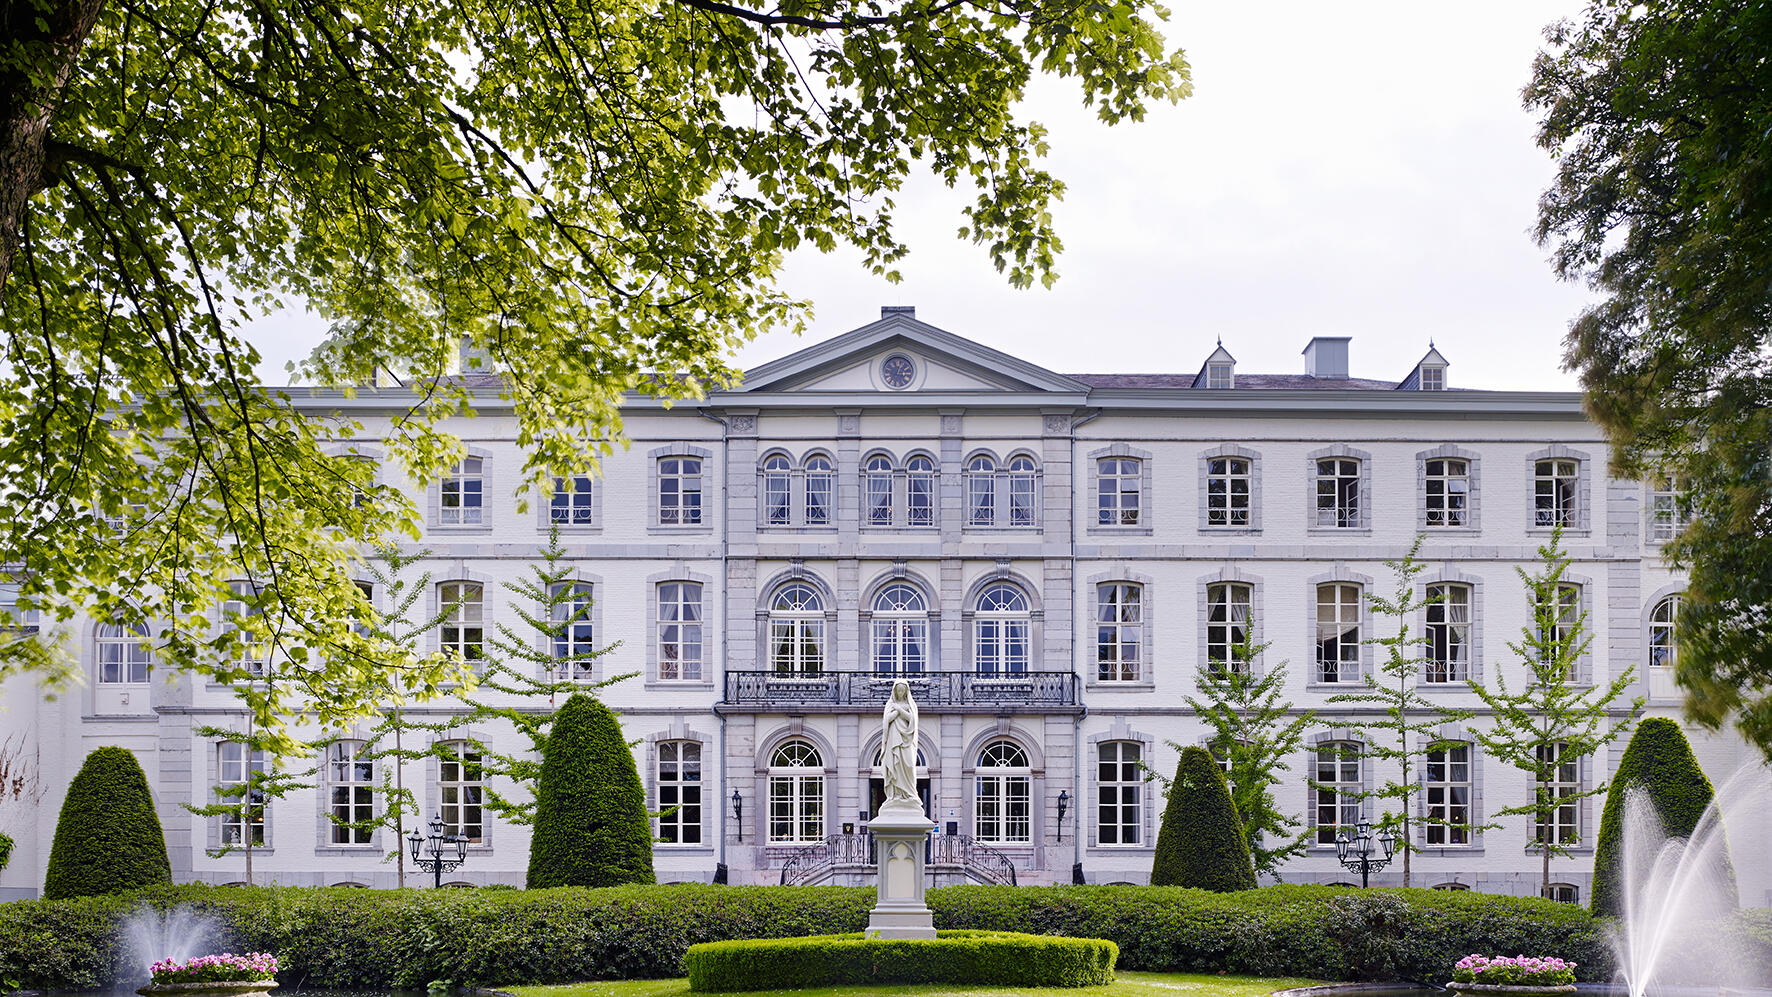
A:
{"points": [[1356, 852], [738, 813], [437, 849], [1064, 803]]}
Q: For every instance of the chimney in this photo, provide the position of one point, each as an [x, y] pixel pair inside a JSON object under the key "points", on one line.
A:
{"points": [[1326, 357], [908, 311]]}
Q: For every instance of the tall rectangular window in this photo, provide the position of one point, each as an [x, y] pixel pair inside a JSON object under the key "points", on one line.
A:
{"points": [[776, 479], [819, 479], [575, 639], [238, 614], [352, 779], [1119, 627], [1117, 483], [1564, 825], [1337, 790], [1227, 625], [1227, 491], [572, 503], [464, 624], [463, 493], [1667, 509], [1554, 492], [679, 787], [920, 491], [1447, 486], [1338, 632], [1119, 787], [981, 492], [1021, 491], [1338, 492], [1562, 617], [679, 631], [679, 491], [1448, 633], [236, 766], [460, 791], [877, 480], [1449, 795]]}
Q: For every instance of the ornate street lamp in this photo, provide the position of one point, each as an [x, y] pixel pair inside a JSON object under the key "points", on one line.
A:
{"points": [[1064, 803], [441, 852], [1357, 852], [738, 813]]}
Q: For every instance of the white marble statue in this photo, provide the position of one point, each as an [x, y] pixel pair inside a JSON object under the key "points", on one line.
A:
{"points": [[898, 750]]}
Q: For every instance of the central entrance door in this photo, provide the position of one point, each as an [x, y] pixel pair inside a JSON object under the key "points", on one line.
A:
{"points": [[877, 795]]}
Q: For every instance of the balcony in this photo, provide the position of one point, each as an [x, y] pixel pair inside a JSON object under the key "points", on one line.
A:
{"points": [[866, 692]]}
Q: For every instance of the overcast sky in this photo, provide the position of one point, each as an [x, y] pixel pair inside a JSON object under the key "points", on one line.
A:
{"points": [[1359, 169]]}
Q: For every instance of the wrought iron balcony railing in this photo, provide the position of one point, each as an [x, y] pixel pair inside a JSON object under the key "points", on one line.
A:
{"points": [[867, 691]]}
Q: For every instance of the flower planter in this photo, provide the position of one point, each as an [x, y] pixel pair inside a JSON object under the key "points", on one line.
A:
{"points": [[1513, 989], [217, 988]]}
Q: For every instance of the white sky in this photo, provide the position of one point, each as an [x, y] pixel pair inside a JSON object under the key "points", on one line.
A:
{"points": [[1360, 169]]}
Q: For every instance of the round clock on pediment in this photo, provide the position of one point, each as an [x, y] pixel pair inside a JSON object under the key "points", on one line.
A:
{"points": [[897, 371]]}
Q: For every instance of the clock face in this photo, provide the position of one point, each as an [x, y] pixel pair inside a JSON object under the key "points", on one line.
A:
{"points": [[897, 372]]}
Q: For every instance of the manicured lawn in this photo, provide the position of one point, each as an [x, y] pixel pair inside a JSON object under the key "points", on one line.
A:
{"points": [[1126, 985]]}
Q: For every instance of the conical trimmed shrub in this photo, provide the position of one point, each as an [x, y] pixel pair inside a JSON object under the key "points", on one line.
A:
{"points": [[591, 825], [108, 838], [1658, 759], [1201, 843]]}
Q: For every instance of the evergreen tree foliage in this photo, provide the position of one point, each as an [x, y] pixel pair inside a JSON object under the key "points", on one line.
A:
{"points": [[1201, 842], [6, 845], [591, 825], [1659, 761], [108, 838]]}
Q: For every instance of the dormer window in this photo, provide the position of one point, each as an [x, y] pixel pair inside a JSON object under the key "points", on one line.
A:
{"points": [[1433, 379], [1218, 375]]}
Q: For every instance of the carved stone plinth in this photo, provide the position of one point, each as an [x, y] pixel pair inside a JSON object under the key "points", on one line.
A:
{"points": [[899, 910]]}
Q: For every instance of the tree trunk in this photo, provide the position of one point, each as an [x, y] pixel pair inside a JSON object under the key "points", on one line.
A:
{"points": [[399, 807], [50, 38], [1544, 846]]}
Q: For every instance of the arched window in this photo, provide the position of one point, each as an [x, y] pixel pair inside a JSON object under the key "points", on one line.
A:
{"points": [[796, 630], [1001, 642], [1021, 491], [819, 479], [981, 492], [920, 491], [796, 795], [1336, 791], [877, 479], [352, 779], [1448, 633], [679, 787], [123, 655], [575, 639], [1227, 625], [776, 509], [900, 629], [463, 632], [1001, 805], [1119, 786], [1663, 651]]}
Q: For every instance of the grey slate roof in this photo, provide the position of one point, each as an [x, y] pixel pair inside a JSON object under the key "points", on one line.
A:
{"points": [[1244, 381]]}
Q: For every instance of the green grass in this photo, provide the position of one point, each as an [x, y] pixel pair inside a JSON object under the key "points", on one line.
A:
{"points": [[1125, 985]]}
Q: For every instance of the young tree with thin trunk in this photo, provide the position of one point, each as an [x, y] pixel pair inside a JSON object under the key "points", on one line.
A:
{"points": [[1547, 724]]}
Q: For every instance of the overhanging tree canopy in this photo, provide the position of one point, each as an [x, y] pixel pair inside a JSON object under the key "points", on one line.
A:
{"points": [[588, 189]]}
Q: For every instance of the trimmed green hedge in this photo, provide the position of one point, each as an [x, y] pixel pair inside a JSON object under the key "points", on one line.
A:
{"points": [[591, 827], [1201, 841], [108, 838], [1659, 760], [994, 957]]}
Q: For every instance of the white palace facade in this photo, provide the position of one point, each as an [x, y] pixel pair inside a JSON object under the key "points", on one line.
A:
{"points": [[1051, 558]]}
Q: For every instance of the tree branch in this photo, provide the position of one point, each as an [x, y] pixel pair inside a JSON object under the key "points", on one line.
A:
{"points": [[773, 20]]}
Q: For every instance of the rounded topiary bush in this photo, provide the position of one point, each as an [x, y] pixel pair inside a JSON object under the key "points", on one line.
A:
{"points": [[108, 838], [1659, 761], [960, 957], [591, 825], [1201, 842]]}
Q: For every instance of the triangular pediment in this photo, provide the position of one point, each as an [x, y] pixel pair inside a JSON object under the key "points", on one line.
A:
{"points": [[899, 353]]}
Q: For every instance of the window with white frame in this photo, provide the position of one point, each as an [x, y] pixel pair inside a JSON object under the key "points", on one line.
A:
{"points": [[462, 494], [573, 502], [1663, 620], [1668, 510], [981, 492], [1446, 494], [1002, 814], [1119, 631], [899, 630], [679, 631], [1337, 789], [1338, 632], [796, 630], [920, 491], [1218, 375], [1563, 893], [248, 648], [461, 791], [1554, 490], [679, 792], [1227, 625], [1433, 378], [877, 490], [1448, 789], [1564, 824], [1118, 482], [679, 491], [821, 479], [1228, 491], [1558, 620], [574, 634], [122, 654], [1002, 644], [1338, 492], [351, 777], [777, 477], [796, 795], [1448, 633], [464, 619], [1021, 491], [1451, 887], [239, 769], [1119, 787]]}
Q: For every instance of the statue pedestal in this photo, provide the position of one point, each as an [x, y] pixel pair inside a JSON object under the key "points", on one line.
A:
{"points": [[900, 835]]}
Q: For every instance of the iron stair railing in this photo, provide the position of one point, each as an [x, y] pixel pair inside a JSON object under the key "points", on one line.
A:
{"points": [[819, 862]]}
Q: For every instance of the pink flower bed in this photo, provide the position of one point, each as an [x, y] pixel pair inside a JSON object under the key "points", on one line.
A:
{"points": [[1516, 970], [224, 968]]}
